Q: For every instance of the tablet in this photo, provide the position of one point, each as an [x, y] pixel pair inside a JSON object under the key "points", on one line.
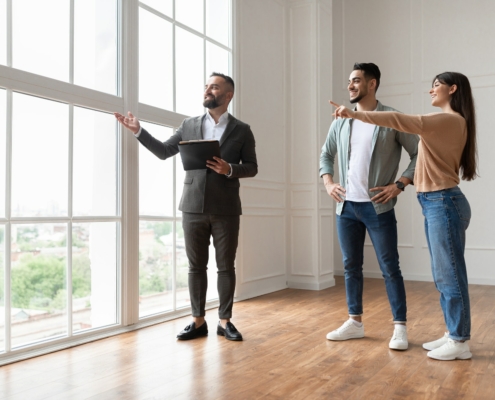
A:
{"points": [[194, 153]]}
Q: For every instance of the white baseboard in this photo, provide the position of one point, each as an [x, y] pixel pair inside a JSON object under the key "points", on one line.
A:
{"points": [[481, 281], [422, 278], [378, 275], [260, 291], [312, 285]]}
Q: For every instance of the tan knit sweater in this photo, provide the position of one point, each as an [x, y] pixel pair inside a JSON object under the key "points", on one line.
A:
{"points": [[443, 137]]}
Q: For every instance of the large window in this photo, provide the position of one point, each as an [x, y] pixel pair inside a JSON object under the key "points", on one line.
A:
{"points": [[179, 50], [69, 172], [62, 219], [46, 43]]}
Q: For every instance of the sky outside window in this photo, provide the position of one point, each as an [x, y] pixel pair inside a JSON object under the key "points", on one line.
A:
{"points": [[163, 6], [40, 35], [156, 177], [217, 20], [190, 13], [39, 157], [155, 61], [95, 44]]}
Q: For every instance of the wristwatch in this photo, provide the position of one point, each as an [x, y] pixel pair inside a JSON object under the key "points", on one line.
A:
{"points": [[400, 185]]}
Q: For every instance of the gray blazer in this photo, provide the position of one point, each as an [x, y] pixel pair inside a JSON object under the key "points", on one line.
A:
{"points": [[205, 191]]}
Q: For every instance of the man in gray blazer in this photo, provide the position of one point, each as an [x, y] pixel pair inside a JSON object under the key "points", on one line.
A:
{"points": [[210, 204]]}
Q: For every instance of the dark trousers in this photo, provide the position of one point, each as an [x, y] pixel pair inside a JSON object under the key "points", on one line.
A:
{"points": [[198, 228]]}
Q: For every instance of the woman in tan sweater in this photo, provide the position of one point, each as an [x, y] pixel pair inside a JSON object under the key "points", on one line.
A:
{"points": [[447, 148]]}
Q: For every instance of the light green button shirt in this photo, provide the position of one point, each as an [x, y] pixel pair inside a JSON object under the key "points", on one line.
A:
{"points": [[386, 150]]}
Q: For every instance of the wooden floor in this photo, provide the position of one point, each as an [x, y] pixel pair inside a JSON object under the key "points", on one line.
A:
{"points": [[284, 355]]}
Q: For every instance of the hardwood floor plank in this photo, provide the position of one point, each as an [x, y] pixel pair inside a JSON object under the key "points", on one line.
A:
{"points": [[285, 354]]}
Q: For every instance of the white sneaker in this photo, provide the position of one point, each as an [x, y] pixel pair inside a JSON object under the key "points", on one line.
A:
{"points": [[451, 350], [348, 330], [399, 339], [436, 343]]}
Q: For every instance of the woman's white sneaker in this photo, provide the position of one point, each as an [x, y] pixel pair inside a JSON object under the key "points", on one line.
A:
{"points": [[349, 330], [451, 350], [436, 343], [399, 338]]}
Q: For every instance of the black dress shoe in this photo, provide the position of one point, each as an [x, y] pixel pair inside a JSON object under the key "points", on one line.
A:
{"points": [[191, 332], [230, 332]]}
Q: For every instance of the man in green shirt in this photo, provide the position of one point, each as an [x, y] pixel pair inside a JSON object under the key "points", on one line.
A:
{"points": [[368, 159]]}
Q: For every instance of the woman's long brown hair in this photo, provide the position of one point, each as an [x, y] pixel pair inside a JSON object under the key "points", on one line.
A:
{"points": [[462, 101]]}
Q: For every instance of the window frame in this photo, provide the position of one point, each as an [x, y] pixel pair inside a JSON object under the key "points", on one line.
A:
{"points": [[128, 217]]}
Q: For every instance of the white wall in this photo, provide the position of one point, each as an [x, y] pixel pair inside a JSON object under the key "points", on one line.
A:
{"points": [[310, 211], [260, 71], [412, 41], [282, 52], [294, 55]]}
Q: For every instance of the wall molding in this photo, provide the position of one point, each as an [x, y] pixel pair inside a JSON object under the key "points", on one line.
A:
{"points": [[345, 69], [421, 277], [262, 277], [296, 204], [258, 201], [263, 184], [262, 212], [320, 285], [400, 245]]}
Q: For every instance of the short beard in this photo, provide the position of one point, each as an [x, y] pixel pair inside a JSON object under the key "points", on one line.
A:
{"points": [[356, 99], [211, 103]]}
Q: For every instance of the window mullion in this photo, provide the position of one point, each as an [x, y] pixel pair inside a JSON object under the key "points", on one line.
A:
{"points": [[119, 206], [71, 162], [204, 42], [69, 224], [204, 17], [69, 279], [174, 238], [8, 227], [8, 156], [120, 24], [130, 166], [9, 33], [7, 288], [174, 68], [234, 67], [71, 43]]}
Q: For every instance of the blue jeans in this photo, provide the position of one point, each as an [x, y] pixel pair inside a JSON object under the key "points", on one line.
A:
{"points": [[447, 215], [352, 224]]}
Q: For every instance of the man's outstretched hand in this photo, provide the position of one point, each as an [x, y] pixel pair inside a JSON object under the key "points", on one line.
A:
{"points": [[130, 122]]}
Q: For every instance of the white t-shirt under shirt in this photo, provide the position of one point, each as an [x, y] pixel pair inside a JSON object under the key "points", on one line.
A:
{"points": [[359, 161]]}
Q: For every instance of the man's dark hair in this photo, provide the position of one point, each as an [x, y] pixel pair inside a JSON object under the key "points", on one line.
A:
{"points": [[370, 71], [228, 79]]}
